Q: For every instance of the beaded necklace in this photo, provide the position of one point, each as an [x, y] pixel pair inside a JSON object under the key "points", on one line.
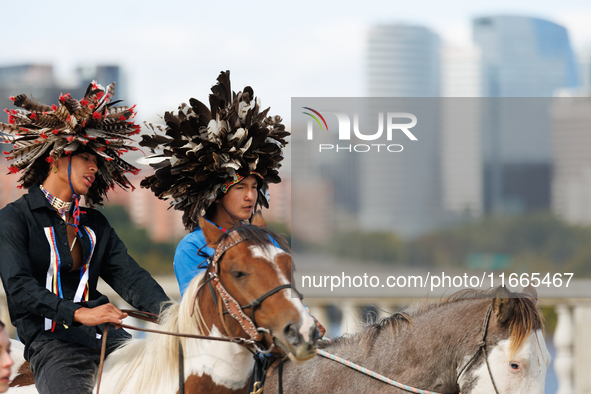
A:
{"points": [[59, 205], [62, 208]]}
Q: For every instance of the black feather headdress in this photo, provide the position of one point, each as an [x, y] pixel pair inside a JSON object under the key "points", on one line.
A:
{"points": [[44, 133], [205, 149]]}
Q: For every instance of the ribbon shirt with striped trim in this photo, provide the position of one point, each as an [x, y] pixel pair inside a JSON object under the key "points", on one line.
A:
{"points": [[53, 281]]}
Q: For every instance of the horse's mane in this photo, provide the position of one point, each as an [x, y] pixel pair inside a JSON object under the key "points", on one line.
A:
{"points": [[157, 356], [259, 236], [527, 317]]}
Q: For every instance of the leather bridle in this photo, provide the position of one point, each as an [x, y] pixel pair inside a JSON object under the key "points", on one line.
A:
{"points": [[232, 306], [481, 349]]}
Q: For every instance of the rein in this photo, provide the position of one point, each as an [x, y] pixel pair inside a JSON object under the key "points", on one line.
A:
{"points": [[375, 375]]}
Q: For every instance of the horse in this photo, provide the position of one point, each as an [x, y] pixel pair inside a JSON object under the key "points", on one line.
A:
{"points": [[436, 347], [246, 267]]}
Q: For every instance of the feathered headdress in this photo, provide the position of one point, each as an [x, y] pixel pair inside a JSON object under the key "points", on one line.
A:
{"points": [[206, 150], [42, 132]]}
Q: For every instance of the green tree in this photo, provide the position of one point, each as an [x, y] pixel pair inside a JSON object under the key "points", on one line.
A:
{"points": [[537, 242]]}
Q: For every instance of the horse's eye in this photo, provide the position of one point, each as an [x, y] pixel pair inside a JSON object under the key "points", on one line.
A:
{"points": [[238, 274], [514, 366]]}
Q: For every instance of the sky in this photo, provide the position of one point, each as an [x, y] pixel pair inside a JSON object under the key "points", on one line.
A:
{"points": [[171, 51]]}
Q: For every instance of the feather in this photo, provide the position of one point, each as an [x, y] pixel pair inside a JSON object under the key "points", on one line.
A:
{"points": [[40, 150], [155, 127], [214, 104], [118, 111], [243, 108], [223, 89], [153, 142], [30, 104], [232, 165], [48, 121], [9, 129], [153, 159], [239, 135], [72, 146], [269, 140], [200, 108], [23, 145], [23, 156], [110, 93], [72, 105], [246, 146], [104, 96]]}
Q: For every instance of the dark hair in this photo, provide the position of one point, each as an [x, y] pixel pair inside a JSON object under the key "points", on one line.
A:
{"points": [[40, 172], [1, 325]]}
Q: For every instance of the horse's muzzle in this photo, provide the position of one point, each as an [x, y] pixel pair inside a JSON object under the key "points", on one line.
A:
{"points": [[301, 348]]}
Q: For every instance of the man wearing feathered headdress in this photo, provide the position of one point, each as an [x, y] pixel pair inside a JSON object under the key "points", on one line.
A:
{"points": [[214, 162], [52, 251]]}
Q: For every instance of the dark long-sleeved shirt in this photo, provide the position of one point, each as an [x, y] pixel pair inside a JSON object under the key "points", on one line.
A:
{"points": [[34, 242]]}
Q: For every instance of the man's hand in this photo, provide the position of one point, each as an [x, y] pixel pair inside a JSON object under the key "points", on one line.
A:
{"points": [[107, 313]]}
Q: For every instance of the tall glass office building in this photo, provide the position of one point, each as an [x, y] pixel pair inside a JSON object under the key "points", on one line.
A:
{"points": [[524, 57], [521, 57]]}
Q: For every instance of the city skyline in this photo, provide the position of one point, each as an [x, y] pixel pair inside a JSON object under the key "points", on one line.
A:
{"points": [[169, 57], [475, 156], [396, 54]]}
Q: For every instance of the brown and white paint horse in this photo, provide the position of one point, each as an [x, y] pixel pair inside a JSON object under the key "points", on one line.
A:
{"points": [[427, 347], [247, 270]]}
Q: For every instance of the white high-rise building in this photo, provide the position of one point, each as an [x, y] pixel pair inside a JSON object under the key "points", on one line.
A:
{"points": [[461, 71], [402, 61], [461, 145], [401, 192], [571, 181]]}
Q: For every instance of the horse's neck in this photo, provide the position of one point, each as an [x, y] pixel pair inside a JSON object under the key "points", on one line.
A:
{"points": [[424, 354]]}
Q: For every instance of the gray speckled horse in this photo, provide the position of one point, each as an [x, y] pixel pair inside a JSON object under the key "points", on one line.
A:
{"points": [[428, 346]]}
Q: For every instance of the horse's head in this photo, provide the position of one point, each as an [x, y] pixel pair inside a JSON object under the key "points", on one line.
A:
{"points": [[257, 274], [516, 349]]}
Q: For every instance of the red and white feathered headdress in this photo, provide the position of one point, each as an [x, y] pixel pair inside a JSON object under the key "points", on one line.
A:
{"points": [[41, 134]]}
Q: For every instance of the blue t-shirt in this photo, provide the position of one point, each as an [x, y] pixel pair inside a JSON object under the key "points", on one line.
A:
{"points": [[187, 258]]}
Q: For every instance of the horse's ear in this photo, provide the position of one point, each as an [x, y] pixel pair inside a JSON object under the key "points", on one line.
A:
{"points": [[257, 220], [212, 233], [531, 291], [503, 304]]}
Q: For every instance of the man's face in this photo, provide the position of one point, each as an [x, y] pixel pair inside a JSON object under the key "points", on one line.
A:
{"points": [[84, 168], [240, 200]]}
